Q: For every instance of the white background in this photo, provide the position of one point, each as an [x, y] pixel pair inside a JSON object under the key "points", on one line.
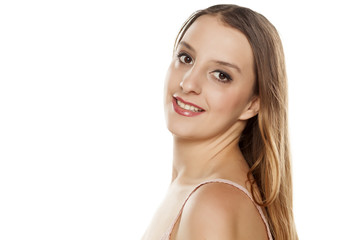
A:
{"points": [[84, 151]]}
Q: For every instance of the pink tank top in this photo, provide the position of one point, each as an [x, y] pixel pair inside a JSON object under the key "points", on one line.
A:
{"points": [[167, 235]]}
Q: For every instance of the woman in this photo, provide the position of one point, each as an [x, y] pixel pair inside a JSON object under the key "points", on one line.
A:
{"points": [[226, 106]]}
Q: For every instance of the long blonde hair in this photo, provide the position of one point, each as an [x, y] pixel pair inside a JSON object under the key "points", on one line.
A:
{"points": [[264, 141]]}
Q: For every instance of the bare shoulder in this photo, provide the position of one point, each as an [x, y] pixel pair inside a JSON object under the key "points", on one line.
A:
{"points": [[220, 211]]}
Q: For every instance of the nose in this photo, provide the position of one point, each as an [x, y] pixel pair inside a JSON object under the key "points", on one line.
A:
{"points": [[191, 82]]}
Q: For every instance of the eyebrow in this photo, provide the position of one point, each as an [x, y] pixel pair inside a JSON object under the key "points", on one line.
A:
{"points": [[187, 45], [228, 65]]}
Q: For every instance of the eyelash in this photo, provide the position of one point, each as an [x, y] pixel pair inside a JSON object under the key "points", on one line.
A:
{"points": [[182, 54], [227, 76]]}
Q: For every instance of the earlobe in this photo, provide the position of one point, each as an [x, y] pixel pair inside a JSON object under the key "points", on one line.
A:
{"points": [[251, 109]]}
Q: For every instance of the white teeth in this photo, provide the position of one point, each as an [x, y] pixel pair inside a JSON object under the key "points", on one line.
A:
{"points": [[188, 107]]}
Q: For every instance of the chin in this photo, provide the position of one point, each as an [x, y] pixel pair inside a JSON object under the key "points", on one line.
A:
{"points": [[183, 134], [194, 128], [179, 130], [189, 130], [183, 128]]}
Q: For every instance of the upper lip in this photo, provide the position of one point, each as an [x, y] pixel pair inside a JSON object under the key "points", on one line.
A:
{"points": [[188, 103]]}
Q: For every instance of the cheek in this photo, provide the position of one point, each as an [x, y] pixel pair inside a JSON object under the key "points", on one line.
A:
{"points": [[168, 85], [230, 102], [171, 79]]}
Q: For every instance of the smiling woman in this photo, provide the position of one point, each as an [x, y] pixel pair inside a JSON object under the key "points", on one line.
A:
{"points": [[207, 76], [226, 106]]}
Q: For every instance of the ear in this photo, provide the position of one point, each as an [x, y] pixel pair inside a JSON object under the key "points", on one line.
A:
{"points": [[251, 109]]}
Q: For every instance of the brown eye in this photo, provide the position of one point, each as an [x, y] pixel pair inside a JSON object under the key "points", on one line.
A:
{"points": [[184, 58], [222, 76]]}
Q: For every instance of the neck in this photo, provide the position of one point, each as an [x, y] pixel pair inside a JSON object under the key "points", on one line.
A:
{"points": [[196, 160]]}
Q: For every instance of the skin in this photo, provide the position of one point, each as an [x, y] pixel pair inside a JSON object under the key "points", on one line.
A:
{"points": [[205, 146]]}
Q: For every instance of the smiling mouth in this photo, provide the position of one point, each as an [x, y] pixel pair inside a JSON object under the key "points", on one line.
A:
{"points": [[188, 106]]}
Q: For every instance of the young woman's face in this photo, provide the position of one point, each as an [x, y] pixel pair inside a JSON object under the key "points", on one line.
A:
{"points": [[209, 84]]}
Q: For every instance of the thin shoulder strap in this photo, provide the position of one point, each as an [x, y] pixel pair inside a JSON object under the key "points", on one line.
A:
{"points": [[243, 189]]}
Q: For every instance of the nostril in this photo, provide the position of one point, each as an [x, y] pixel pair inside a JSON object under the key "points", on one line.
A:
{"points": [[190, 86]]}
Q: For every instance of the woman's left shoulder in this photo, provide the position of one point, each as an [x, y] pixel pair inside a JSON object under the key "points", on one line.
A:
{"points": [[219, 209]]}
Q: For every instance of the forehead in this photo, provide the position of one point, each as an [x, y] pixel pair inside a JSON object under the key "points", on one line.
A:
{"points": [[212, 38]]}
